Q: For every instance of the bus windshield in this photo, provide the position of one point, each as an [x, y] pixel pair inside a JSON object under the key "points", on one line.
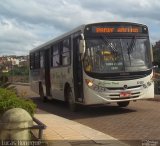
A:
{"points": [[112, 55]]}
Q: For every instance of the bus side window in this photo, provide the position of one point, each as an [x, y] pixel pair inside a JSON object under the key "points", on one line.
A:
{"points": [[32, 56], [41, 59], [51, 56], [56, 59], [66, 52], [37, 60]]}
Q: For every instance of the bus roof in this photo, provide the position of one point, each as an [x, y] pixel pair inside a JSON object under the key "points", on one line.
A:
{"points": [[79, 28]]}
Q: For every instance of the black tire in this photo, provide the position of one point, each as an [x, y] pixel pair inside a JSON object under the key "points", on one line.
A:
{"points": [[41, 93], [70, 100], [123, 104]]}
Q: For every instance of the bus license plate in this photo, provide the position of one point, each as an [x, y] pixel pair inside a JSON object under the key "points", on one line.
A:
{"points": [[125, 94]]}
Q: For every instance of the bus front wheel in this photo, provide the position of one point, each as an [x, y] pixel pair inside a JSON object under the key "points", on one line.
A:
{"points": [[123, 103], [71, 102]]}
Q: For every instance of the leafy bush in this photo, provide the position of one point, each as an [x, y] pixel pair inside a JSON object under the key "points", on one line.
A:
{"points": [[3, 79], [24, 70], [9, 99]]}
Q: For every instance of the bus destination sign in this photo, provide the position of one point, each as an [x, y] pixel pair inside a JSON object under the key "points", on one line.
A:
{"points": [[117, 29], [120, 29], [125, 28]]}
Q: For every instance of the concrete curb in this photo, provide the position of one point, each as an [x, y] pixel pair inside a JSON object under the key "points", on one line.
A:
{"points": [[20, 83]]}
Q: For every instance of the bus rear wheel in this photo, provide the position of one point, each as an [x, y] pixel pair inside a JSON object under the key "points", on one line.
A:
{"points": [[123, 103], [70, 99]]}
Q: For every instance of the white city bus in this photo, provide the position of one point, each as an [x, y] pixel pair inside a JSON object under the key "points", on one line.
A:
{"points": [[96, 63]]}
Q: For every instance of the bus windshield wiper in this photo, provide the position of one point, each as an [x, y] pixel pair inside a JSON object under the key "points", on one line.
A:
{"points": [[130, 48], [114, 49], [108, 43]]}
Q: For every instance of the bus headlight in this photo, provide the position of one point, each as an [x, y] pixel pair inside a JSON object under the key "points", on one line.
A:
{"points": [[89, 82]]}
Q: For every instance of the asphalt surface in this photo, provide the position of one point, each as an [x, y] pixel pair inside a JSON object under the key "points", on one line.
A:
{"points": [[139, 121]]}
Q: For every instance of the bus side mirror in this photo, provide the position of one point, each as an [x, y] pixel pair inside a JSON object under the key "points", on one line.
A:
{"points": [[155, 65], [82, 47]]}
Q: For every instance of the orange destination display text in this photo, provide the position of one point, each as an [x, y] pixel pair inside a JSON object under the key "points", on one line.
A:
{"points": [[118, 30]]}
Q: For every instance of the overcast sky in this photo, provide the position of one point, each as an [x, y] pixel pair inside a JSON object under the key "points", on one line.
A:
{"points": [[25, 24]]}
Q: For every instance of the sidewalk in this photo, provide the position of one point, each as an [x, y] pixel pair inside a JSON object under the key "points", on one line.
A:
{"points": [[64, 132]]}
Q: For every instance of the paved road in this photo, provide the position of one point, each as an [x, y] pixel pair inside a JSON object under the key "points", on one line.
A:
{"points": [[139, 121]]}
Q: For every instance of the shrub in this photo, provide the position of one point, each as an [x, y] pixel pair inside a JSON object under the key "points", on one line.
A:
{"points": [[9, 99]]}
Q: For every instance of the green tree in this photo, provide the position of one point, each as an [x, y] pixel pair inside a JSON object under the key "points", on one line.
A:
{"points": [[156, 53]]}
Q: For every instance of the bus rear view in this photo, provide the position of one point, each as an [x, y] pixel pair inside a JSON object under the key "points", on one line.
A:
{"points": [[117, 63]]}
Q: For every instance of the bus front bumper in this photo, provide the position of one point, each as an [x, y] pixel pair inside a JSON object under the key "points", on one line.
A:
{"points": [[92, 97]]}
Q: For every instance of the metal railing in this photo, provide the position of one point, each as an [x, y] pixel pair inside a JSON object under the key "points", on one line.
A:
{"points": [[40, 126]]}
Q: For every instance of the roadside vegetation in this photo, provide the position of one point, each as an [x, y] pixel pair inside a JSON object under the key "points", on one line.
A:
{"points": [[156, 57], [156, 54], [18, 74], [9, 99], [8, 95]]}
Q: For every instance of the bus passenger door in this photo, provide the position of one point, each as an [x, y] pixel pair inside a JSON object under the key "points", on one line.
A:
{"points": [[77, 71], [47, 72]]}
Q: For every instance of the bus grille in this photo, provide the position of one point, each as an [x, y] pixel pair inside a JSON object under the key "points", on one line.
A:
{"points": [[122, 88], [117, 96], [124, 98], [115, 93]]}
